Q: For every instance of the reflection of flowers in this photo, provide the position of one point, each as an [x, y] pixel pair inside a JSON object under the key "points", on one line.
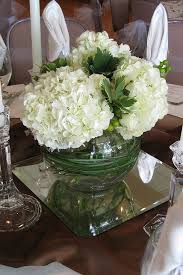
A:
{"points": [[100, 86]]}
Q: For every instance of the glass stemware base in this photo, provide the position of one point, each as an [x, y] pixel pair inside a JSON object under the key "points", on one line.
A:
{"points": [[149, 251], [19, 214], [156, 222]]}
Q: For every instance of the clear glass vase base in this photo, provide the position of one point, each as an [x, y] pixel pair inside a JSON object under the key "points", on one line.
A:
{"points": [[91, 213], [89, 194], [19, 216]]}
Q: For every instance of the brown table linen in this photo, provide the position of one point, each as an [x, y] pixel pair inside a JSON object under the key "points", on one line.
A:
{"points": [[118, 251]]}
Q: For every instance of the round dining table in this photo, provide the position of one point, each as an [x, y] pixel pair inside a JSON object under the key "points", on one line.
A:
{"points": [[117, 251]]}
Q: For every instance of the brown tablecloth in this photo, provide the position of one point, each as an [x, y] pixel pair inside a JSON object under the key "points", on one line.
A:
{"points": [[118, 251]]}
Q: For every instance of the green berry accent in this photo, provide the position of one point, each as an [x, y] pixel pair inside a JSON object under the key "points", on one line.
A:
{"points": [[110, 128]]}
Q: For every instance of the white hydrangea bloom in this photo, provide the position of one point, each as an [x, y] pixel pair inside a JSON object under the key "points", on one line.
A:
{"points": [[65, 109], [88, 43], [149, 89]]}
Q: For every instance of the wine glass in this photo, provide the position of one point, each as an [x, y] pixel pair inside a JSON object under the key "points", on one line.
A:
{"points": [[5, 72], [5, 68]]}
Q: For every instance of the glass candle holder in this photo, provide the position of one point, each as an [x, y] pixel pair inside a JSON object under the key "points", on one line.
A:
{"points": [[17, 211], [177, 149], [177, 177]]}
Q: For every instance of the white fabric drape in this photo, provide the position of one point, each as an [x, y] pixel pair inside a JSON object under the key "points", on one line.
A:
{"points": [[157, 39], [58, 40]]}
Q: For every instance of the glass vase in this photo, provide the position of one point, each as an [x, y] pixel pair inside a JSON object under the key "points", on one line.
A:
{"points": [[89, 194]]}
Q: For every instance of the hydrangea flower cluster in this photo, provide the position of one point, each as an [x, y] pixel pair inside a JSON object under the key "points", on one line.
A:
{"points": [[144, 83], [70, 105], [88, 43], [66, 108]]}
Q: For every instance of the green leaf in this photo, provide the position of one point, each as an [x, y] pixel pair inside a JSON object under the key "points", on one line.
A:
{"points": [[123, 110], [119, 87], [118, 97], [117, 111], [119, 81], [106, 88], [61, 62], [164, 68], [127, 102], [122, 106], [52, 66], [102, 63], [126, 92]]}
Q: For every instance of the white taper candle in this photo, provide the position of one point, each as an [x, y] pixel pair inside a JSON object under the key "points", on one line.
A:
{"points": [[35, 35]]}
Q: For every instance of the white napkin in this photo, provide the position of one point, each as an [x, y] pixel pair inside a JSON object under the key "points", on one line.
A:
{"points": [[157, 39], [2, 51], [168, 256], [146, 165], [54, 268], [58, 39]]}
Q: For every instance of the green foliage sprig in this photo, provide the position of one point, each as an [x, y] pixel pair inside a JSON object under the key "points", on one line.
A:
{"points": [[52, 66], [102, 63], [164, 68], [118, 98]]}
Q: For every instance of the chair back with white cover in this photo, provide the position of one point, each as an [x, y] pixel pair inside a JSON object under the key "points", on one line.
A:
{"points": [[175, 52], [19, 44], [133, 33], [5, 14], [143, 10], [120, 13], [96, 9], [10, 10]]}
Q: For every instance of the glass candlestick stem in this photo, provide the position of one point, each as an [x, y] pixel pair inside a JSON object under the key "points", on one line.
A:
{"points": [[177, 176], [17, 211]]}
